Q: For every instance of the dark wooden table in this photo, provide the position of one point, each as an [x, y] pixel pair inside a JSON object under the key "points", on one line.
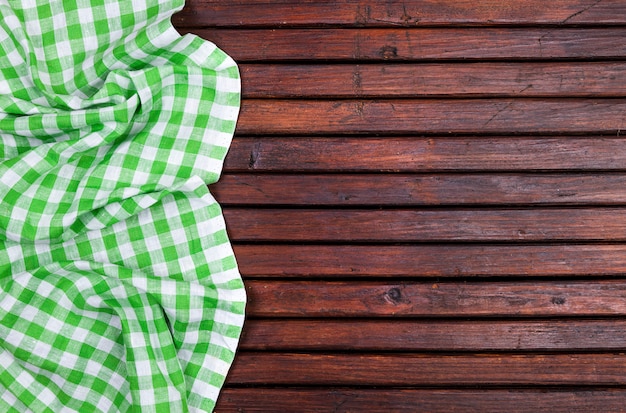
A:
{"points": [[427, 200]]}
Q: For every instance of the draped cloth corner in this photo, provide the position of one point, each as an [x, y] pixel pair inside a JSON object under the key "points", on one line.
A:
{"points": [[119, 290]]}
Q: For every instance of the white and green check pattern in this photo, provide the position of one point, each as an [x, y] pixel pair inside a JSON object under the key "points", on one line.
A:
{"points": [[119, 290]]}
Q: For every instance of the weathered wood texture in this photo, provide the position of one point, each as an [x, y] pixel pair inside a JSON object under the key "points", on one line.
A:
{"points": [[346, 13], [421, 225], [424, 261], [587, 79], [422, 190], [427, 203], [419, 370], [425, 116], [418, 154], [417, 44], [342, 400], [427, 336], [432, 299]]}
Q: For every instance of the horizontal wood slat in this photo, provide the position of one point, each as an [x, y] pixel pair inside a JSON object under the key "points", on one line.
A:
{"points": [[417, 370], [390, 45], [435, 299], [260, 116], [250, 13], [428, 80], [419, 154], [516, 225], [418, 190], [341, 400], [598, 260], [439, 335]]}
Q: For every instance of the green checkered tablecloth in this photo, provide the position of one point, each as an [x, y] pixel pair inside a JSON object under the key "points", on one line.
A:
{"points": [[119, 290]]}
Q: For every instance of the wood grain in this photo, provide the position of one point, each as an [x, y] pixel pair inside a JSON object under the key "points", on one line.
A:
{"points": [[419, 154], [419, 370], [426, 203], [436, 261], [346, 13], [422, 190], [342, 400], [417, 44], [439, 335], [260, 116], [589, 79], [468, 225], [435, 299]]}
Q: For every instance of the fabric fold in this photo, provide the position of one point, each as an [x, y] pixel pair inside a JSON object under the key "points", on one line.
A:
{"points": [[119, 289]]}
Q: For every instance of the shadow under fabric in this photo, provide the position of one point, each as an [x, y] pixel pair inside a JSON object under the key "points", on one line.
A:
{"points": [[119, 290]]}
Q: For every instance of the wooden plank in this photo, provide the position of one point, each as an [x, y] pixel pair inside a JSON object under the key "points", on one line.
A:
{"points": [[419, 370], [417, 44], [449, 299], [419, 154], [518, 225], [346, 13], [289, 261], [570, 79], [422, 190], [342, 400], [440, 335], [262, 116]]}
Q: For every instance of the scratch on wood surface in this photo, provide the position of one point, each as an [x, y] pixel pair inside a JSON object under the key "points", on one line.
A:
{"points": [[621, 125], [407, 18], [578, 13], [357, 81], [357, 46], [254, 155], [508, 105], [359, 109], [568, 18], [528, 87], [363, 16]]}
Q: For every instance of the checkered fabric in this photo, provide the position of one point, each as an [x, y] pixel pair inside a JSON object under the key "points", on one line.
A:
{"points": [[119, 290]]}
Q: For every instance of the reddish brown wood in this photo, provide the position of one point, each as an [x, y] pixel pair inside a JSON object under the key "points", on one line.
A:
{"points": [[418, 370], [250, 13], [435, 80], [256, 261], [408, 190], [341, 400], [518, 225], [417, 44], [450, 299], [260, 116], [418, 154], [437, 141], [439, 335]]}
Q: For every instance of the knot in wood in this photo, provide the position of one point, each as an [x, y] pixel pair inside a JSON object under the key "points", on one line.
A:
{"points": [[394, 295], [388, 52]]}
